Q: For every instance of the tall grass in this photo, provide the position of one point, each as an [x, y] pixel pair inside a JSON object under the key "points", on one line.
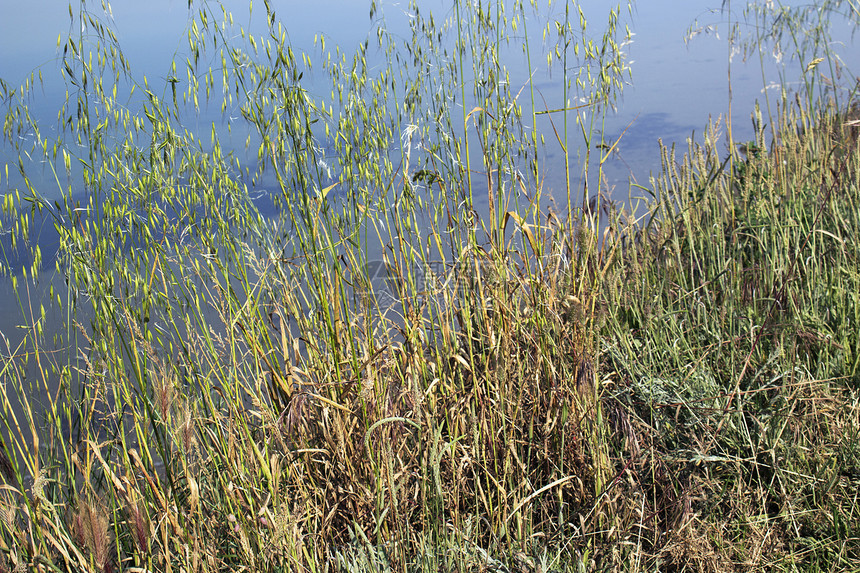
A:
{"points": [[735, 342], [415, 363]]}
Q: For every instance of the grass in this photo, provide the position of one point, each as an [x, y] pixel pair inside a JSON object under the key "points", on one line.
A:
{"points": [[394, 373]]}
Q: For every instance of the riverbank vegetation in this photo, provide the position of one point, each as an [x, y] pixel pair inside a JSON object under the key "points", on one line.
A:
{"points": [[413, 357]]}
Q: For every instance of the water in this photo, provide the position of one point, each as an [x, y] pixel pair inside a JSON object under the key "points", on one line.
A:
{"points": [[678, 83]]}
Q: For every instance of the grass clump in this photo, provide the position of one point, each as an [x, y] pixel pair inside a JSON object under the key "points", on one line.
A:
{"points": [[371, 367], [734, 345]]}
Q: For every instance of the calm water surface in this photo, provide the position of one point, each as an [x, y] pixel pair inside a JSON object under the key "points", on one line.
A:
{"points": [[678, 82]]}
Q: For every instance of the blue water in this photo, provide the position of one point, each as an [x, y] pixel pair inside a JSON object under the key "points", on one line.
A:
{"points": [[679, 82]]}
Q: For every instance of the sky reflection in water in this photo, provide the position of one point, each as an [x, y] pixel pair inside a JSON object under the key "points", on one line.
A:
{"points": [[677, 83]]}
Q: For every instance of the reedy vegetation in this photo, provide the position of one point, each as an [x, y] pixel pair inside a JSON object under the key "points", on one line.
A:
{"points": [[527, 388]]}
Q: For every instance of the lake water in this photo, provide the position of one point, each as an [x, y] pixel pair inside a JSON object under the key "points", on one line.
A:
{"points": [[679, 53]]}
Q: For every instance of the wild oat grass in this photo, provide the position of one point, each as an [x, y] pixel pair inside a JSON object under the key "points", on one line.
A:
{"points": [[520, 389]]}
